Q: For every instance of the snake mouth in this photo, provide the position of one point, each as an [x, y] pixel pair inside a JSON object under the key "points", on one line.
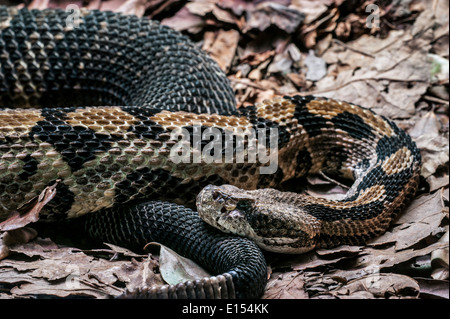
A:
{"points": [[225, 207]]}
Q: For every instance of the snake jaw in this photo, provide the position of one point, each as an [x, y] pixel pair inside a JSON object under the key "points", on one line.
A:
{"points": [[233, 210], [234, 214]]}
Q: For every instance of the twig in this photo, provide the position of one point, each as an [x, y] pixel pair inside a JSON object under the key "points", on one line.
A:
{"points": [[353, 49], [435, 99], [357, 80], [253, 85], [333, 181]]}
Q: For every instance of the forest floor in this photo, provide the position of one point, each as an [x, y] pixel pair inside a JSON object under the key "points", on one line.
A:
{"points": [[390, 56]]}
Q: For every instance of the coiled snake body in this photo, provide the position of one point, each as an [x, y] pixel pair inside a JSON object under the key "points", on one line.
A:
{"points": [[94, 109]]}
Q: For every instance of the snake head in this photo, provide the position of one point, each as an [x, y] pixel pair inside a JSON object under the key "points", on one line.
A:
{"points": [[260, 215], [225, 207]]}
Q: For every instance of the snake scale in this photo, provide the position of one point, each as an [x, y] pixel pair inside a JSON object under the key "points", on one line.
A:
{"points": [[91, 109]]}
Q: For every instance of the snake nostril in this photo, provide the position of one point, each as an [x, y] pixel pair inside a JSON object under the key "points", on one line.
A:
{"points": [[215, 195]]}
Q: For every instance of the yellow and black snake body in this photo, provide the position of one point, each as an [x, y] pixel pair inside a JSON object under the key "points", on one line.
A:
{"points": [[98, 109]]}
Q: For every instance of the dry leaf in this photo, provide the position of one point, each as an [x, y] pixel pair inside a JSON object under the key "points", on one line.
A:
{"points": [[342, 250], [221, 46], [433, 144], [42, 268], [309, 261], [432, 288], [185, 20], [120, 250], [29, 212], [317, 67], [439, 258], [270, 13], [388, 75], [224, 16], [133, 7], [420, 220], [282, 63], [175, 269], [254, 58], [287, 285], [312, 9], [18, 236], [39, 4], [374, 260], [203, 8], [381, 285]]}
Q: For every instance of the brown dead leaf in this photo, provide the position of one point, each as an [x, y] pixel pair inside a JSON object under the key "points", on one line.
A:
{"points": [[110, 5], [266, 14], [42, 268], [380, 285], [38, 4], [374, 260], [311, 31], [317, 67], [176, 269], [258, 73], [185, 20], [117, 249], [387, 74], [200, 8], [440, 273], [137, 274], [318, 284], [311, 261], [29, 212], [255, 58], [133, 7], [438, 180], [203, 8], [297, 79], [432, 143], [239, 7], [224, 16], [420, 220], [433, 289], [342, 250], [281, 63], [221, 46], [321, 185], [94, 5], [440, 257], [287, 285], [4, 250], [312, 9], [18, 236]]}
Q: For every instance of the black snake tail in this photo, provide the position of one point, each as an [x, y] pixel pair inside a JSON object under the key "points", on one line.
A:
{"points": [[238, 262]]}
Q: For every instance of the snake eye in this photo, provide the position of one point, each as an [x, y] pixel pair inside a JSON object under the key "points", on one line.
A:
{"points": [[243, 205], [215, 195]]}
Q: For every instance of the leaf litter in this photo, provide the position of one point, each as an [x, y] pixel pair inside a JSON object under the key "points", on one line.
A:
{"points": [[398, 67]]}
